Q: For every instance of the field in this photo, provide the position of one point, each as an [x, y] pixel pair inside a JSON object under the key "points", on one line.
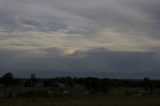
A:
{"points": [[84, 101], [81, 92]]}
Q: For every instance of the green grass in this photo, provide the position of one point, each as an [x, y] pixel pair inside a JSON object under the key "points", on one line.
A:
{"points": [[84, 101]]}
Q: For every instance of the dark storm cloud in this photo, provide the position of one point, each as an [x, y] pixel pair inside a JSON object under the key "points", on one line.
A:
{"points": [[98, 62]]}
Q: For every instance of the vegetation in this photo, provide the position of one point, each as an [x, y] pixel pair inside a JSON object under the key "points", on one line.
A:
{"points": [[7, 79], [68, 91], [84, 101]]}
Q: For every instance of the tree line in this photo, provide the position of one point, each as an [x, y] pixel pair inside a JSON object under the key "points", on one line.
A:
{"points": [[90, 83]]}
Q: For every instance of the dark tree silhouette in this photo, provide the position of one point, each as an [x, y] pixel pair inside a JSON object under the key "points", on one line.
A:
{"points": [[7, 79], [33, 79], [148, 85]]}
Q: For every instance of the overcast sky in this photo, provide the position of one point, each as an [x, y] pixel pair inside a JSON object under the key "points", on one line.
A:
{"points": [[100, 38]]}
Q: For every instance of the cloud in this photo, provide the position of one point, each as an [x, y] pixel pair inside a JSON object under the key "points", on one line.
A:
{"points": [[119, 24], [108, 39], [100, 62], [71, 29]]}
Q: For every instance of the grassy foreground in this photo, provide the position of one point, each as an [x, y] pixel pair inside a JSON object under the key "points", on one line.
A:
{"points": [[84, 101]]}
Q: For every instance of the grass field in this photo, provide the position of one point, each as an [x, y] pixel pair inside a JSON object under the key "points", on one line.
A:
{"points": [[84, 101]]}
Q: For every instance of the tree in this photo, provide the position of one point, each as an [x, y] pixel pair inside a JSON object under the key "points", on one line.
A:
{"points": [[105, 85], [148, 85], [7, 79], [33, 79]]}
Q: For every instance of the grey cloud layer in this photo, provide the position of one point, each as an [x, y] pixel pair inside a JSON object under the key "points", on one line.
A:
{"points": [[87, 18], [77, 15], [62, 35], [98, 62]]}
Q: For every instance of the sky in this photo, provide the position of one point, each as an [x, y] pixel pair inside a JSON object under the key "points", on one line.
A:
{"points": [[98, 38]]}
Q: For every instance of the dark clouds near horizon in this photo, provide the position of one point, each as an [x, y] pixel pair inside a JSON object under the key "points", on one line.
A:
{"points": [[96, 63], [104, 38]]}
